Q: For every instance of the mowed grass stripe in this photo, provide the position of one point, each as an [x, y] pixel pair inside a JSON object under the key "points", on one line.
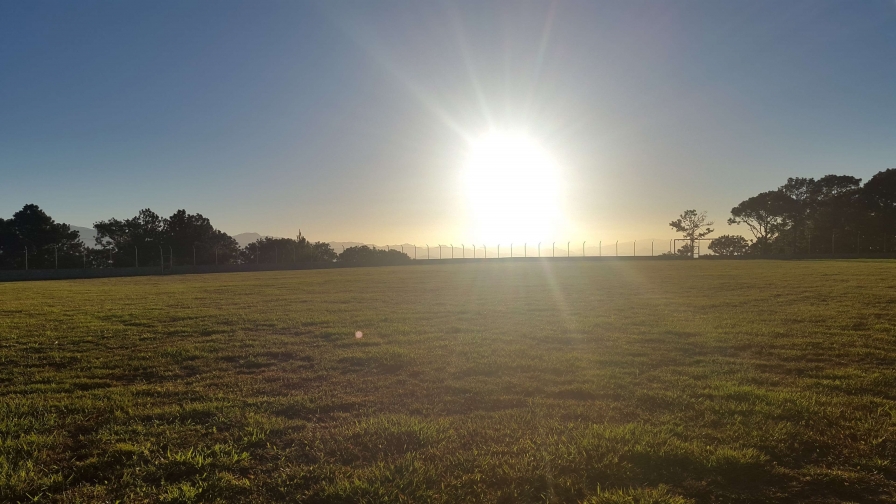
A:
{"points": [[600, 382]]}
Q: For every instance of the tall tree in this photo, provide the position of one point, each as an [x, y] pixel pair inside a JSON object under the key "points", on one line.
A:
{"points": [[837, 213], [190, 237], [145, 238], [221, 248], [765, 217], [693, 226], [45, 239], [10, 246], [323, 252], [133, 241], [879, 196], [797, 211]]}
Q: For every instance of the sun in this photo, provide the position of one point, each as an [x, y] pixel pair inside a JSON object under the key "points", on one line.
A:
{"points": [[513, 188]]}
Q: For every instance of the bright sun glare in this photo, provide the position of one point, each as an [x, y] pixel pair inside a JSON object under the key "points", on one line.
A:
{"points": [[513, 188]]}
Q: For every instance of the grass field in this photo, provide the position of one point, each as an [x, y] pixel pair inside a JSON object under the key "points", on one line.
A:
{"points": [[598, 382]]}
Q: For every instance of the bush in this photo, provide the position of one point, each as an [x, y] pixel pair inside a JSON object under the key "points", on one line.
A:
{"points": [[364, 255], [729, 245]]}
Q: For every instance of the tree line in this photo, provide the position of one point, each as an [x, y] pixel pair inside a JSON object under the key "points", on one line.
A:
{"points": [[32, 239], [833, 214]]}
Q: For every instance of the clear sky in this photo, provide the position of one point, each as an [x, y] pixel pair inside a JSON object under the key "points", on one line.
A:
{"points": [[355, 120]]}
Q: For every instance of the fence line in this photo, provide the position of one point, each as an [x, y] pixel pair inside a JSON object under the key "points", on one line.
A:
{"points": [[530, 250], [475, 251], [472, 251]]}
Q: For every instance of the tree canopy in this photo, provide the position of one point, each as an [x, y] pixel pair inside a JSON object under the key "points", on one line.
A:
{"points": [[44, 239], [146, 239], [364, 255], [284, 250], [729, 245], [693, 226], [832, 214]]}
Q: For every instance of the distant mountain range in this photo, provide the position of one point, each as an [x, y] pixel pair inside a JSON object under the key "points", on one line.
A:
{"points": [[88, 235], [244, 239], [608, 248]]}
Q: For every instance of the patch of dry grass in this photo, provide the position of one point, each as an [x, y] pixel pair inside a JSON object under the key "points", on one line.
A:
{"points": [[597, 382]]}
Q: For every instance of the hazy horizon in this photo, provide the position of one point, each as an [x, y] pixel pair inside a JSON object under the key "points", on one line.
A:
{"points": [[355, 120]]}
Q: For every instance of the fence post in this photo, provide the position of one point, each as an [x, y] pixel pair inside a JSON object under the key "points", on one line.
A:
{"points": [[832, 242], [216, 255], [56, 255], [427, 251], [617, 248], [651, 248], [499, 250], [600, 248], [136, 258], [634, 248], [162, 258], [567, 248], [511, 249], [26, 257], [539, 249], [84, 253], [553, 250], [583, 249], [525, 249], [171, 258], [452, 250], [485, 252]]}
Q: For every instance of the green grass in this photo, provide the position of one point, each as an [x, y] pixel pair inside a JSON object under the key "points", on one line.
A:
{"points": [[598, 382]]}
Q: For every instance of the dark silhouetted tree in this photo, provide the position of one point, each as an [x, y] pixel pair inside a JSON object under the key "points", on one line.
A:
{"points": [[193, 236], [837, 212], [180, 234], [729, 245], [693, 226], [797, 212], [120, 239], [286, 250], [879, 196], [323, 252], [765, 217], [45, 239], [365, 256]]}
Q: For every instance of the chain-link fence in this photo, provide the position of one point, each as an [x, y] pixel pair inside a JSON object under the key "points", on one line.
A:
{"points": [[597, 248]]}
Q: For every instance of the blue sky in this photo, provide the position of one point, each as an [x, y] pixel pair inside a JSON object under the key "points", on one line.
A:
{"points": [[350, 120]]}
